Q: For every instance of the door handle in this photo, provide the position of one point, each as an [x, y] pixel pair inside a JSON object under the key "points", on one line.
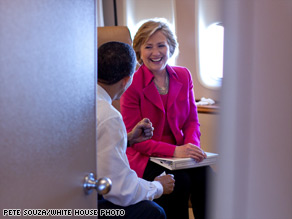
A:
{"points": [[102, 185]]}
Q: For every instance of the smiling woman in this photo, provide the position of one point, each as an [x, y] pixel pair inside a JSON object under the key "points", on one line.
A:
{"points": [[152, 46], [133, 13], [154, 52], [164, 94]]}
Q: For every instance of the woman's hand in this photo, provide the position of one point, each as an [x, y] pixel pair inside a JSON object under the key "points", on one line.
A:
{"points": [[190, 150]]}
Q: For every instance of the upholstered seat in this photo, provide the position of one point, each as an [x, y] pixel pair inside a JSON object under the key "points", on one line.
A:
{"points": [[113, 33]]}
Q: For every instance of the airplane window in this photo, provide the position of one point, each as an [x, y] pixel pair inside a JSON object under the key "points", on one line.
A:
{"points": [[211, 40]]}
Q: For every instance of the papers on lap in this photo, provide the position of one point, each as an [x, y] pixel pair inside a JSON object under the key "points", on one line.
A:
{"points": [[184, 163]]}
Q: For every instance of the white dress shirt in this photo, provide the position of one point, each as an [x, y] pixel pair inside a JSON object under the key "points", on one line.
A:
{"points": [[112, 161]]}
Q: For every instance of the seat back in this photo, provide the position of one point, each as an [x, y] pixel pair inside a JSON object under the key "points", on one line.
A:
{"points": [[114, 33]]}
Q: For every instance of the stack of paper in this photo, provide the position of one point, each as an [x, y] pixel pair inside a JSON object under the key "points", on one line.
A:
{"points": [[184, 163]]}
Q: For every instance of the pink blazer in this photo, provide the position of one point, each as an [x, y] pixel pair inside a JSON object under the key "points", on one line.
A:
{"points": [[142, 100]]}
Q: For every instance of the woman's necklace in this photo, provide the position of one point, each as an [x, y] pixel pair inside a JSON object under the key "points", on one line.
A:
{"points": [[163, 90]]}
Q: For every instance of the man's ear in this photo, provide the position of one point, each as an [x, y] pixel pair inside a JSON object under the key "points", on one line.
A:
{"points": [[125, 80]]}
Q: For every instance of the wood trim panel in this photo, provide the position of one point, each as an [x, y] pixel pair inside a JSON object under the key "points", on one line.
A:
{"points": [[208, 109]]}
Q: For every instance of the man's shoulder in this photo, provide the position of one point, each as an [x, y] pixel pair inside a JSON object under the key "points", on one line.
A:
{"points": [[106, 111]]}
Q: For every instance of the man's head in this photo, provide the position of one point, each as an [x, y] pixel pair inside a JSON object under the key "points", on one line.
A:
{"points": [[116, 61]]}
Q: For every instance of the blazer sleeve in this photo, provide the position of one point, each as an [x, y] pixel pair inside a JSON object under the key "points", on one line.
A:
{"points": [[131, 112], [191, 127]]}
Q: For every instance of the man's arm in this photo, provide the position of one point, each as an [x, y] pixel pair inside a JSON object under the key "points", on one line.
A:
{"points": [[112, 162], [141, 132]]}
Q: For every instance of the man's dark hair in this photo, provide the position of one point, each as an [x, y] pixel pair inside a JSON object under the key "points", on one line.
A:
{"points": [[116, 60]]}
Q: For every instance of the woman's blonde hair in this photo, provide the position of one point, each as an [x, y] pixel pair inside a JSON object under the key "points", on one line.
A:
{"points": [[147, 30]]}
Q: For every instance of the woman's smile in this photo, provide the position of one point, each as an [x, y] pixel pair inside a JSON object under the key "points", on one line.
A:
{"points": [[155, 52], [156, 60]]}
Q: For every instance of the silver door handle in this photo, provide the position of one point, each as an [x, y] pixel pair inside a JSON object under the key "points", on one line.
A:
{"points": [[102, 185]]}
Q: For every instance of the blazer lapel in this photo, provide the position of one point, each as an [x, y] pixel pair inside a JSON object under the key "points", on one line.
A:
{"points": [[152, 95], [174, 87], [150, 91]]}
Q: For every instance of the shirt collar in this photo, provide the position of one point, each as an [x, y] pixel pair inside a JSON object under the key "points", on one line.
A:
{"points": [[102, 94]]}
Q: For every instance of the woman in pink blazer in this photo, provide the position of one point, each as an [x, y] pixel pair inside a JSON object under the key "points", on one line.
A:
{"points": [[164, 94]]}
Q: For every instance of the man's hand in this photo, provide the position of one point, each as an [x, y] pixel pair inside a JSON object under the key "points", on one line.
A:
{"points": [[167, 182], [141, 132]]}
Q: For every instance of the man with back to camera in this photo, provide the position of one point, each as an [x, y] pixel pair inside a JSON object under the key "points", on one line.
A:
{"points": [[116, 66]]}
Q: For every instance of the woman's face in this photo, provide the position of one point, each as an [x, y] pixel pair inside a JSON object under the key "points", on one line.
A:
{"points": [[155, 52]]}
